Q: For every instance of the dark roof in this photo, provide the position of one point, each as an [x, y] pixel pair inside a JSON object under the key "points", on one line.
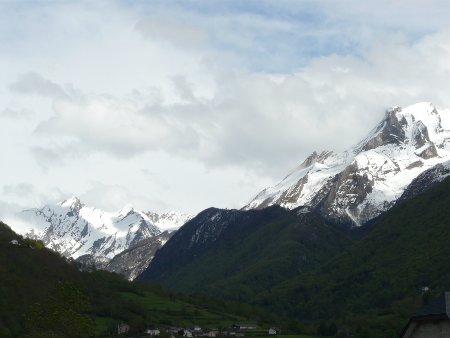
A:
{"points": [[438, 308]]}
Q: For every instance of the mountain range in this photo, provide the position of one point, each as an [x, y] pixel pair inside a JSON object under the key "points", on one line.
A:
{"points": [[367, 280], [349, 188], [336, 210], [95, 236], [347, 240]]}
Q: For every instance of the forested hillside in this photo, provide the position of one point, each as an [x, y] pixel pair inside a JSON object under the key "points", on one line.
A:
{"points": [[297, 265], [44, 295], [377, 282], [236, 255]]}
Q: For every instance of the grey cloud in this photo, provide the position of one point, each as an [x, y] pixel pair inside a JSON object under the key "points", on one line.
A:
{"points": [[7, 210], [48, 156], [181, 34], [16, 113], [183, 89], [147, 172], [33, 83], [21, 189]]}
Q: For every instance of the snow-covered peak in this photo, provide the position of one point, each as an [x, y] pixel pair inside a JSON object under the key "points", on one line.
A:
{"points": [[168, 221], [72, 203], [75, 229], [95, 236], [417, 125], [127, 209], [365, 180], [424, 111]]}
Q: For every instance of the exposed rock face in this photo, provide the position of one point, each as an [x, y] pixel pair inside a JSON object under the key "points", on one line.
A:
{"points": [[133, 261], [89, 262], [360, 183], [390, 131]]}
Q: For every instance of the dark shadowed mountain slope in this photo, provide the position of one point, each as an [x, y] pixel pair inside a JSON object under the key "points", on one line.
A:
{"points": [[237, 254], [426, 180]]}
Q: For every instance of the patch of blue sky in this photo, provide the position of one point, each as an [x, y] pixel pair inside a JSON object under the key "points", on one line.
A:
{"points": [[262, 35]]}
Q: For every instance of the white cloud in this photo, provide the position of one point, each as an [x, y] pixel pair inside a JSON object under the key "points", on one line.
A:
{"points": [[115, 197], [24, 195], [189, 93], [258, 121]]}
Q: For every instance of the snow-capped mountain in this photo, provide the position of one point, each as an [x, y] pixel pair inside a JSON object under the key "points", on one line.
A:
{"points": [[168, 221], [74, 229], [360, 183]]}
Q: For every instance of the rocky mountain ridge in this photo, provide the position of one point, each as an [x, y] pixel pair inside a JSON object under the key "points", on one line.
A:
{"points": [[358, 184], [76, 230]]}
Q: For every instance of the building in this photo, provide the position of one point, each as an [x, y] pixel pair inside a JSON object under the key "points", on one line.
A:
{"points": [[432, 320], [123, 328], [153, 332], [195, 328], [244, 326], [274, 331], [187, 333]]}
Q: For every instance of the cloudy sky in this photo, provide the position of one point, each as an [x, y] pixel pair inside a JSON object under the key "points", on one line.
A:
{"points": [[182, 105]]}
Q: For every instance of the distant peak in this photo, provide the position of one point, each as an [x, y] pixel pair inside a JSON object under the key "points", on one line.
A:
{"points": [[126, 210], [393, 109], [73, 203]]}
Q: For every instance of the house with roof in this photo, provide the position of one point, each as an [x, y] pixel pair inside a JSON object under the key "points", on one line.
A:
{"points": [[432, 320]]}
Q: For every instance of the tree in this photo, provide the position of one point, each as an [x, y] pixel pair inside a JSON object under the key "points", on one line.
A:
{"points": [[64, 314]]}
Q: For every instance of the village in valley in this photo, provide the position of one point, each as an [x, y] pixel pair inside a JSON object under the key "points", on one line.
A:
{"points": [[236, 330]]}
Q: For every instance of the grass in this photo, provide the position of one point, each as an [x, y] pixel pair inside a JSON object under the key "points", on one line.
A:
{"points": [[102, 325], [176, 312]]}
